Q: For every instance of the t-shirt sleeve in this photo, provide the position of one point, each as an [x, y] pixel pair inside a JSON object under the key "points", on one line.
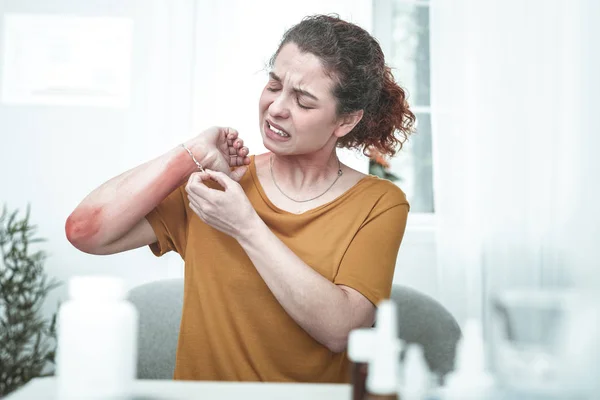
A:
{"points": [[369, 262], [169, 222]]}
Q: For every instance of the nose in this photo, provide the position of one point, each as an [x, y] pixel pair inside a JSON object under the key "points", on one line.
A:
{"points": [[279, 107]]}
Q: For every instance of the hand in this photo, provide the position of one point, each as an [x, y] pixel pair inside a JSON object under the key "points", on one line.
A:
{"points": [[228, 211], [219, 149]]}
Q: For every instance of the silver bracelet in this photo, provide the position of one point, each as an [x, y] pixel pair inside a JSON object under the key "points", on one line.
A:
{"points": [[200, 167]]}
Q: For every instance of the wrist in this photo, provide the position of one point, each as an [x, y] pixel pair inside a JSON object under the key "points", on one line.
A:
{"points": [[198, 154], [251, 230]]}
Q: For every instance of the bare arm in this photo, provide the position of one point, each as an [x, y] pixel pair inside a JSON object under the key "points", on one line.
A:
{"points": [[328, 312], [111, 218]]}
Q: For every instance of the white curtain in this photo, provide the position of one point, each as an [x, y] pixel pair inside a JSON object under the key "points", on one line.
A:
{"points": [[514, 97]]}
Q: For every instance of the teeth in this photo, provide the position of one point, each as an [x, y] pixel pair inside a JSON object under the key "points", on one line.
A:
{"points": [[278, 131]]}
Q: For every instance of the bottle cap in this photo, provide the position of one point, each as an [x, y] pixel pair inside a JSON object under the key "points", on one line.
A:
{"points": [[96, 287], [387, 320], [360, 344]]}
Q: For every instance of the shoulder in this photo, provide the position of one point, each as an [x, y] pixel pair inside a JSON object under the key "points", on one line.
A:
{"points": [[382, 193]]}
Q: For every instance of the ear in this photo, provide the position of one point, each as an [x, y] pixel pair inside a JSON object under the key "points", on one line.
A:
{"points": [[347, 123]]}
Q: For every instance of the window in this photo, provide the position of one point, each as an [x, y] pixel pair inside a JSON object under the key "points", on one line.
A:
{"points": [[402, 28]]}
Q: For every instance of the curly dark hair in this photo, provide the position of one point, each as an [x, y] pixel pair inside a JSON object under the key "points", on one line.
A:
{"points": [[355, 61]]}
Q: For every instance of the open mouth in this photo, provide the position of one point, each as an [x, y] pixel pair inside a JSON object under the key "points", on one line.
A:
{"points": [[277, 130]]}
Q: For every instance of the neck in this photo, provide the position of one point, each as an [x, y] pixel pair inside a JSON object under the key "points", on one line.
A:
{"points": [[301, 173]]}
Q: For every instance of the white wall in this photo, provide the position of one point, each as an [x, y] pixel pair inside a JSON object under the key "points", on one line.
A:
{"points": [[51, 156]]}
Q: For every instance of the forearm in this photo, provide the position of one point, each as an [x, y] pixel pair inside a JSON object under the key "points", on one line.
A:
{"points": [[319, 306], [112, 209]]}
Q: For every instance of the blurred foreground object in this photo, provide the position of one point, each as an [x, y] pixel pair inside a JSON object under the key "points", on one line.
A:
{"points": [[470, 379], [545, 343], [97, 340], [26, 343]]}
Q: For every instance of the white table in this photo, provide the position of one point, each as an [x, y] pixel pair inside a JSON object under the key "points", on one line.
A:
{"points": [[45, 389]]}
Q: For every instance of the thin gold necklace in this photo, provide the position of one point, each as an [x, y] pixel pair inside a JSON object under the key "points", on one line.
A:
{"points": [[339, 173]]}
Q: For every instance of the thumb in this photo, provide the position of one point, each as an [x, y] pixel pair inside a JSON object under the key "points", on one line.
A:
{"points": [[237, 173]]}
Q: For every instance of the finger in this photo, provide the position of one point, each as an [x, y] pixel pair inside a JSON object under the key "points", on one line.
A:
{"points": [[231, 132], [243, 152], [194, 178], [197, 202], [193, 203], [238, 173], [239, 159], [196, 186], [231, 135], [197, 211], [237, 144], [220, 178]]}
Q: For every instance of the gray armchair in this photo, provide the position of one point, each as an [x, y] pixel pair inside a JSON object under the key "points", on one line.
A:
{"points": [[421, 320], [159, 306]]}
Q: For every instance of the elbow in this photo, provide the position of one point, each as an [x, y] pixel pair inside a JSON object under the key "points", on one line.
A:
{"points": [[77, 240], [82, 245], [337, 347], [81, 228], [337, 343]]}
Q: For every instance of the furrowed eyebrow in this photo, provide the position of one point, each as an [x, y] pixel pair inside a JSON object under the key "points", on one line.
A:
{"points": [[303, 92], [274, 76]]}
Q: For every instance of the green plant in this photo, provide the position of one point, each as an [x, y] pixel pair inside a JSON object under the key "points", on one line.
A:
{"points": [[27, 340], [379, 166], [381, 171]]}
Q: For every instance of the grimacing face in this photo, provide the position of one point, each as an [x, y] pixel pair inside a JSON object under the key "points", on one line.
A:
{"points": [[297, 108]]}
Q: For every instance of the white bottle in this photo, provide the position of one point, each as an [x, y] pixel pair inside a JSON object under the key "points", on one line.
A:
{"points": [[470, 380], [379, 348], [417, 376], [382, 378], [97, 340]]}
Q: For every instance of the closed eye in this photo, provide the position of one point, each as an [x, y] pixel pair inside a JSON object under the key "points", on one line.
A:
{"points": [[302, 106]]}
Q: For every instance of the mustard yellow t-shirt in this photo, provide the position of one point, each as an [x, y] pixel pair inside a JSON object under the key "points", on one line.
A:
{"points": [[232, 327]]}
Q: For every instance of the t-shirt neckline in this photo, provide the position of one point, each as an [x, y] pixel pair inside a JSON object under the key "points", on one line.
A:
{"points": [[263, 194]]}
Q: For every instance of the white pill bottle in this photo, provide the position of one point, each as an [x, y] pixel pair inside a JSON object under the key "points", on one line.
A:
{"points": [[96, 354]]}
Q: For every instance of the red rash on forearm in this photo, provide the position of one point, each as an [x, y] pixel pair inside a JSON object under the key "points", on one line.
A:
{"points": [[176, 173], [119, 204]]}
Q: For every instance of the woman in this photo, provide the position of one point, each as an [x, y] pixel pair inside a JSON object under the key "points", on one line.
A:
{"points": [[285, 252]]}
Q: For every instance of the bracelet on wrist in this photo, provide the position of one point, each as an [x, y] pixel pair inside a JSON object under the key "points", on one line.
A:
{"points": [[200, 167]]}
